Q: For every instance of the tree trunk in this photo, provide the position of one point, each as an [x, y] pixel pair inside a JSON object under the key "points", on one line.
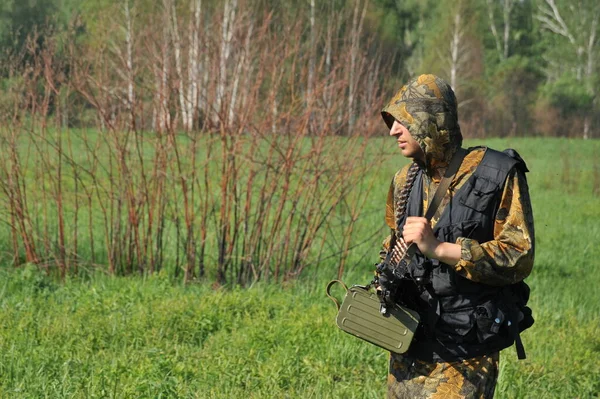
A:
{"points": [[226, 35], [170, 4], [129, 61], [508, 5], [193, 61], [591, 45], [240, 68], [490, 7], [203, 103], [312, 57], [328, 50], [162, 117], [454, 49], [354, 47]]}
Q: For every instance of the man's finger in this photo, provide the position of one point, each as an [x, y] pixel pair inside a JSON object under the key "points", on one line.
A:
{"points": [[416, 219]]}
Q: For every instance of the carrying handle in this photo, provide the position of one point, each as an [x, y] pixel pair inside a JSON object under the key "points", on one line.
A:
{"points": [[331, 283]]}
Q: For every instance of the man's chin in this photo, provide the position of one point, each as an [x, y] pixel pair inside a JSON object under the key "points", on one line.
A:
{"points": [[408, 153]]}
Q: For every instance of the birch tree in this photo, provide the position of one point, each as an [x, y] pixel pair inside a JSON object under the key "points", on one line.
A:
{"points": [[457, 52], [576, 28], [193, 64], [312, 55], [454, 45], [187, 72], [358, 18], [227, 28], [129, 63], [502, 43], [171, 11], [161, 117], [123, 63], [241, 72]]}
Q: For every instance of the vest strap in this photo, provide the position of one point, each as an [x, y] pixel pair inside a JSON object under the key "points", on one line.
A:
{"points": [[451, 171], [520, 348], [510, 301], [457, 159]]}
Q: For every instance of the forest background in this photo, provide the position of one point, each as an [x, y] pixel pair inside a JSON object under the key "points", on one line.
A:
{"points": [[527, 67], [227, 158]]}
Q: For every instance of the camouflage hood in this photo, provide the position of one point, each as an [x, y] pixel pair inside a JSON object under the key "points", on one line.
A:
{"points": [[427, 107]]}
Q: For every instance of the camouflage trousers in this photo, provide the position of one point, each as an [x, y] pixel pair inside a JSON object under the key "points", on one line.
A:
{"points": [[415, 379]]}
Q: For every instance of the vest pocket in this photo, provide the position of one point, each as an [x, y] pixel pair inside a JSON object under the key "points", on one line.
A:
{"points": [[456, 326], [491, 322], [479, 193]]}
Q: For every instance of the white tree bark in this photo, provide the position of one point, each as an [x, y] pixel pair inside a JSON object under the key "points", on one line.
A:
{"points": [[552, 20], [240, 66], [501, 47], [162, 116], [229, 7], [490, 7], [247, 70], [592, 45], [357, 23], [459, 55], [193, 64], [589, 72], [203, 103], [507, 9], [175, 38], [312, 56], [455, 44], [129, 63]]}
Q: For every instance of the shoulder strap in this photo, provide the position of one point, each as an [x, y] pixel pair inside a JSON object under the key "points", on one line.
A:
{"points": [[445, 183], [515, 155], [440, 192]]}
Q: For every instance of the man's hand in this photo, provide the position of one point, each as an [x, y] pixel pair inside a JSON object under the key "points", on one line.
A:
{"points": [[419, 231]]}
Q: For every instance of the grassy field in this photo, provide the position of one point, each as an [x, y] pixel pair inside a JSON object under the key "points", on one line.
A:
{"points": [[96, 336]]}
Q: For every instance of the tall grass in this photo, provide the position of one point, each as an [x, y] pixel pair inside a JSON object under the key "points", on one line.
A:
{"points": [[246, 188]]}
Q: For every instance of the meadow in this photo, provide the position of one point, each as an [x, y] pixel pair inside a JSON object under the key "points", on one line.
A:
{"points": [[152, 336]]}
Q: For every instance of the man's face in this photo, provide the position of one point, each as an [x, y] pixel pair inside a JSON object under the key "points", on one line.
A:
{"points": [[409, 147]]}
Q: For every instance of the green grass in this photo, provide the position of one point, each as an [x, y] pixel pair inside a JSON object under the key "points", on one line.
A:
{"points": [[146, 338], [97, 336]]}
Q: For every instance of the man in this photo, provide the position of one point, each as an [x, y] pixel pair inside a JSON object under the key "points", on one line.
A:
{"points": [[465, 280]]}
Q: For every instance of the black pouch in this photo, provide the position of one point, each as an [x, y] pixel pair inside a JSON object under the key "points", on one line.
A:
{"points": [[457, 326], [520, 293], [492, 322]]}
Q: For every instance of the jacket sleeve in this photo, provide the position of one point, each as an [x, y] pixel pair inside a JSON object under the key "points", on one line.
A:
{"points": [[508, 258]]}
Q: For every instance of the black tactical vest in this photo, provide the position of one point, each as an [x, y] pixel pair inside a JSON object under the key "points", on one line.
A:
{"points": [[462, 318]]}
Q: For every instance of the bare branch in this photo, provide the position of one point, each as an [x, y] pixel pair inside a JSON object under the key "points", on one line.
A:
{"points": [[554, 22]]}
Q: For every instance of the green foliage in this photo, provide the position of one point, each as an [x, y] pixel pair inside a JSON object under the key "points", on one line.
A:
{"points": [[511, 93], [569, 95], [20, 19]]}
